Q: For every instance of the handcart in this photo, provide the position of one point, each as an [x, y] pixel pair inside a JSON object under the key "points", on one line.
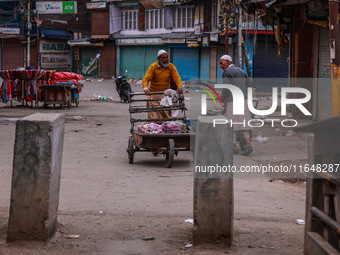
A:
{"points": [[168, 144], [58, 94], [73, 79]]}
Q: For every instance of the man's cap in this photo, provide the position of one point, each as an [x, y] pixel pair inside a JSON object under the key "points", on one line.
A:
{"points": [[227, 57], [161, 52]]}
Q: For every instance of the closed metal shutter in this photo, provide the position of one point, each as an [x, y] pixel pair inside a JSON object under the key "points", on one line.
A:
{"points": [[267, 63], [137, 59], [220, 53], [186, 61], [107, 61], [315, 71], [325, 86], [205, 63], [12, 55]]}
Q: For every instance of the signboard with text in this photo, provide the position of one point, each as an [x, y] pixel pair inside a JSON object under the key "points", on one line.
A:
{"points": [[96, 5], [56, 7], [8, 30], [56, 61], [54, 46]]}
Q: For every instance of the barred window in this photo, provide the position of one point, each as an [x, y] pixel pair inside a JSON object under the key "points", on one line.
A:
{"points": [[130, 20], [154, 19], [184, 17]]}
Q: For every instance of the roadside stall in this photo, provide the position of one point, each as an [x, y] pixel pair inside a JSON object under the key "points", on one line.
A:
{"points": [[29, 86], [47, 86], [8, 89], [63, 89]]}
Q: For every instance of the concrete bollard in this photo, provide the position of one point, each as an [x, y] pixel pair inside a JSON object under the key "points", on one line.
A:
{"points": [[36, 177], [213, 192]]}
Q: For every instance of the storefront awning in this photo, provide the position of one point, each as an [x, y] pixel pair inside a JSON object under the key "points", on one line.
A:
{"points": [[100, 36], [151, 4], [51, 33], [74, 43]]}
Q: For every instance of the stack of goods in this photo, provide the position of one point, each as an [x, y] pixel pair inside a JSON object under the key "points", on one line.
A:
{"points": [[168, 127], [150, 128], [8, 88], [174, 127], [68, 77]]}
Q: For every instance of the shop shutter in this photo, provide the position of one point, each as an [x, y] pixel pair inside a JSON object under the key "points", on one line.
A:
{"points": [[267, 64], [12, 55], [137, 59], [315, 71], [107, 61], [325, 86], [186, 61], [205, 63], [131, 59]]}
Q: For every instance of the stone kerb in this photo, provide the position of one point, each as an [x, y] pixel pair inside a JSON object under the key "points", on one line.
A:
{"points": [[36, 177], [213, 192]]}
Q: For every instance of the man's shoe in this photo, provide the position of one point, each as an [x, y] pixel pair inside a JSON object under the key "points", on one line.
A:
{"points": [[248, 150], [236, 152]]}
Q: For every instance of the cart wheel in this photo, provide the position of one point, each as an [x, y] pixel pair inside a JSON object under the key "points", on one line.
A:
{"points": [[170, 153], [131, 149], [77, 101]]}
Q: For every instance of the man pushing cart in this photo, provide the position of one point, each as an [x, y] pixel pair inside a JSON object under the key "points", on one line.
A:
{"points": [[163, 133]]}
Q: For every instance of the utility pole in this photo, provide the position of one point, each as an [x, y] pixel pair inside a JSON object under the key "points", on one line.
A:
{"points": [[335, 54], [28, 58], [38, 43], [240, 36]]}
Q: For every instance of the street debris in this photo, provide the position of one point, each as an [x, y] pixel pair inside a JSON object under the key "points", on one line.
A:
{"points": [[300, 221], [290, 133], [189, 245], [190, 221], [148, 238], [77, 118], [266, 247], [101, 212], [101, 98], [261, 139], [72, 236], [261, 117]]}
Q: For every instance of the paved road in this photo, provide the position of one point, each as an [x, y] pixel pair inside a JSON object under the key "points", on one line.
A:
{"points": [[113, 204]]}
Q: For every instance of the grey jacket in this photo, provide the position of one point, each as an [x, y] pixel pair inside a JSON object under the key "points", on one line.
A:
{"points": [[235, 76]]}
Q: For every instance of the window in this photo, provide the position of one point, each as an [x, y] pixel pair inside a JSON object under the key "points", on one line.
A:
{"points": [[184, 17], [130, 20], [214, 18], [154, 19]]}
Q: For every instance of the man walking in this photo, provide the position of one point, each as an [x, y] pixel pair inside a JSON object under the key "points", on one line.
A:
{"points": [[236, 76], [159, 76]]}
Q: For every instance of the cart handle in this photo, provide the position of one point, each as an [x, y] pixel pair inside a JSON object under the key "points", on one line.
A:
{"points": [[142, 93]]}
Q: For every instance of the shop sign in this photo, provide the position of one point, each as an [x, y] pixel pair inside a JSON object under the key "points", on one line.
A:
{"points": [[173, 40], [139, 41], [54, 46], [56, 61], [56, 7], [128, 5], [96, 5], [170, 2], [7, 30]]}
